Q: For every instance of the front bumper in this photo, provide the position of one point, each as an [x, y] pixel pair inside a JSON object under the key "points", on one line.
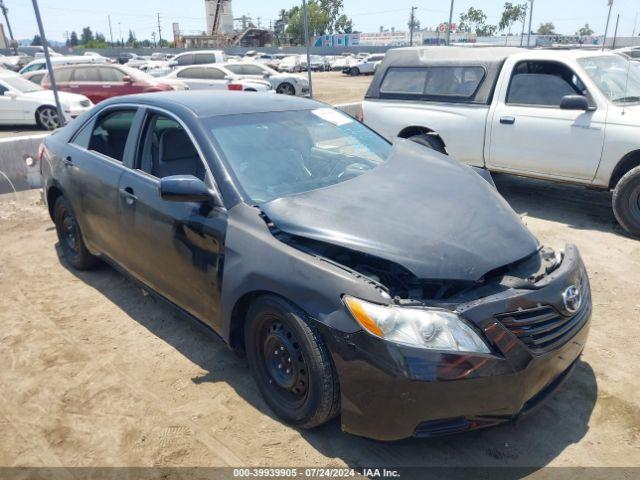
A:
{"points": [[391, 392]]}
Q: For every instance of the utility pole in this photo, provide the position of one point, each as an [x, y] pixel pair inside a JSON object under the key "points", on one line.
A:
{"points": [[530, 19], [306, 42], [606, 29], [524, 21], [159, 31], [449, 24], [615, 33], [47, 59], [110, 30], [635, 24], [153, 35], [5, 12], [412, 23], [120, 33]]}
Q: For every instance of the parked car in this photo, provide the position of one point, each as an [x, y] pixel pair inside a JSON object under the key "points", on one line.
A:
{"points": [[161, 56], [126, 57], [24, 103], [215, 77], [40, 63], [318, 63], [199, 57], [14, 63], [99, 82], [290, 64], [564, 115], [341, 62], [35, 76], [281, 82], [390, 285], [365, 66]]}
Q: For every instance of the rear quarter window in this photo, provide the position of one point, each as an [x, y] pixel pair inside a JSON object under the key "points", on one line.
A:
{"points": [[432, 82]]}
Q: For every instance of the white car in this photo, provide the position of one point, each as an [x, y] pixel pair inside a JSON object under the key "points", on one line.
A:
{"points": [[24, 103], [285, 83], [290, 64], [365, 66], [40, 63], [215, 77], [340, 62], [198, 57]]}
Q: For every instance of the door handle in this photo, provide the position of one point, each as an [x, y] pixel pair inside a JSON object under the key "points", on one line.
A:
{"points": [[507, 120], [67, 161], [128, 195]]}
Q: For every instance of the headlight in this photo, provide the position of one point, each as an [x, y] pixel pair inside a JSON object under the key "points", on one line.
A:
{"points": [[434, 329]]}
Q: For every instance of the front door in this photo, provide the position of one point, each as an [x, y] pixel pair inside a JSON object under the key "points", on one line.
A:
{"points": [[531, 134], [177, 248]]}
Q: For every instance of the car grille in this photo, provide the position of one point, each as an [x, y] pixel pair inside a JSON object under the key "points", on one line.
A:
{"points": [[85, 103], [543, 328]]}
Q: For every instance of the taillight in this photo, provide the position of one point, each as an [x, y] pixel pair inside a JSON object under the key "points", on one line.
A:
{"points": [[360, 117], [234, 86]]}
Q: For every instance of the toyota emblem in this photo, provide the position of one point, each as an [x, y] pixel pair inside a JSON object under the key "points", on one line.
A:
{"points": [[572, 299]]}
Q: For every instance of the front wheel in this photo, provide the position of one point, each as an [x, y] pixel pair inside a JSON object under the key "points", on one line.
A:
{"points": [[47, 118], [626, 202], [286, 89], [70, 237], [354, 72], [290, 363]]}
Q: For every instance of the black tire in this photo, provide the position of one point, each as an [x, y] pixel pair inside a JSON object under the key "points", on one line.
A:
{"points": [[354, 72], [626, 202], [47, 118], [286, 88], [429, 141], [277, 334], [73, 248]]}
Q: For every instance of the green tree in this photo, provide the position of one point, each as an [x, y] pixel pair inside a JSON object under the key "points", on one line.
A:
{"points": [[416, 24], [36, 40], [100, 38], [131, 41], [86, 36], [547, 29], [585, 31], [344, 24], [337, 20], [318, 22], [512, 14], [474, 20], [73, 39]]}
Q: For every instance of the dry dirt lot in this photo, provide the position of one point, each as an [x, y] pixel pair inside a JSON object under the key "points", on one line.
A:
{"points": [[96, 373]]}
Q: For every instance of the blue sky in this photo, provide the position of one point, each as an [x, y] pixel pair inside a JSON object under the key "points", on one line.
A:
{"points": [[368, 15]]}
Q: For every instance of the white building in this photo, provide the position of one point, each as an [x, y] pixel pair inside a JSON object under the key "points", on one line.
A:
{"points": [[225, 13]]}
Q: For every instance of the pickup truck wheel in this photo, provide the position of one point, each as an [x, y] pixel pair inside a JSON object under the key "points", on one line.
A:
{"points": [[626, 202], [70, 237], [429, 141], [290, 363], [354, 72]]}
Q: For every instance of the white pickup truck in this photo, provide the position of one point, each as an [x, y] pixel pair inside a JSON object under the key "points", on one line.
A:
{"points": [[564, 115]]}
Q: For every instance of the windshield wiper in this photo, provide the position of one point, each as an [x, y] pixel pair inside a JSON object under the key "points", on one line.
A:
{"points": [[627, 99]]}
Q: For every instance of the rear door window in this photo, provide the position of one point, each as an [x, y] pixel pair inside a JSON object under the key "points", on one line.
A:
{"points": [[202, 58], [193, 72], [433, 82], [185, 59], [108, 74], [90, 74], [109, 134]]}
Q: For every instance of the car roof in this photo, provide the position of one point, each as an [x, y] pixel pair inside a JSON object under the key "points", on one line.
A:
{"points": [[8, 73], [209, 103]]}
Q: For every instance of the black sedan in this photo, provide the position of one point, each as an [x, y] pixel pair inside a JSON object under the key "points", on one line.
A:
{"points": [[388, 284]]}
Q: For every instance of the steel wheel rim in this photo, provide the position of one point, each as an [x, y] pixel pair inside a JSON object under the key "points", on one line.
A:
{"points": [[70, 232], [287, 89], [49, 118], [284, 364]]}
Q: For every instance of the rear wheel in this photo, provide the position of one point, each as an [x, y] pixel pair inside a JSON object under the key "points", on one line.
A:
{"points": [[47, 118], [286, 89], [626, 202], [290, 363], [354, 72], [430, 141], [70, 237]]}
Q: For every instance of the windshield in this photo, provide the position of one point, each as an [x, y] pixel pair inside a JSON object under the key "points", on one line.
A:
{"points": [[284, 153], [21, 84], [615, 77]]}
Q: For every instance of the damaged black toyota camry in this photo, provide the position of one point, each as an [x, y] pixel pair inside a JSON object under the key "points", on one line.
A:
{"points": [[387, 284]]}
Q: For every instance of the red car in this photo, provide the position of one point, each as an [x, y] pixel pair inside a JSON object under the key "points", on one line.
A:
{"points": [[99, 82]]}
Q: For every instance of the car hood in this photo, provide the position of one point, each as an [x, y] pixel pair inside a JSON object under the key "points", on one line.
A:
{"points": [[47, 96], [420, 209]]}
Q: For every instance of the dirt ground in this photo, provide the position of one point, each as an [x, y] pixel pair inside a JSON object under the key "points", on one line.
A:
{"points": [[96, 373]]}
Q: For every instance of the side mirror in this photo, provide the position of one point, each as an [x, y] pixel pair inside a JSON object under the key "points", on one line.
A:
{"points": [[127, 79], [10, 94], [187, 188], [574, 102]]}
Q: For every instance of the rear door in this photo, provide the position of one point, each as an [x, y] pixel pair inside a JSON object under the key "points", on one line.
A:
{"points": [[531, 134], [113, 83], [194, 77], [92, 166], [176, 248], [87, 81]]}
